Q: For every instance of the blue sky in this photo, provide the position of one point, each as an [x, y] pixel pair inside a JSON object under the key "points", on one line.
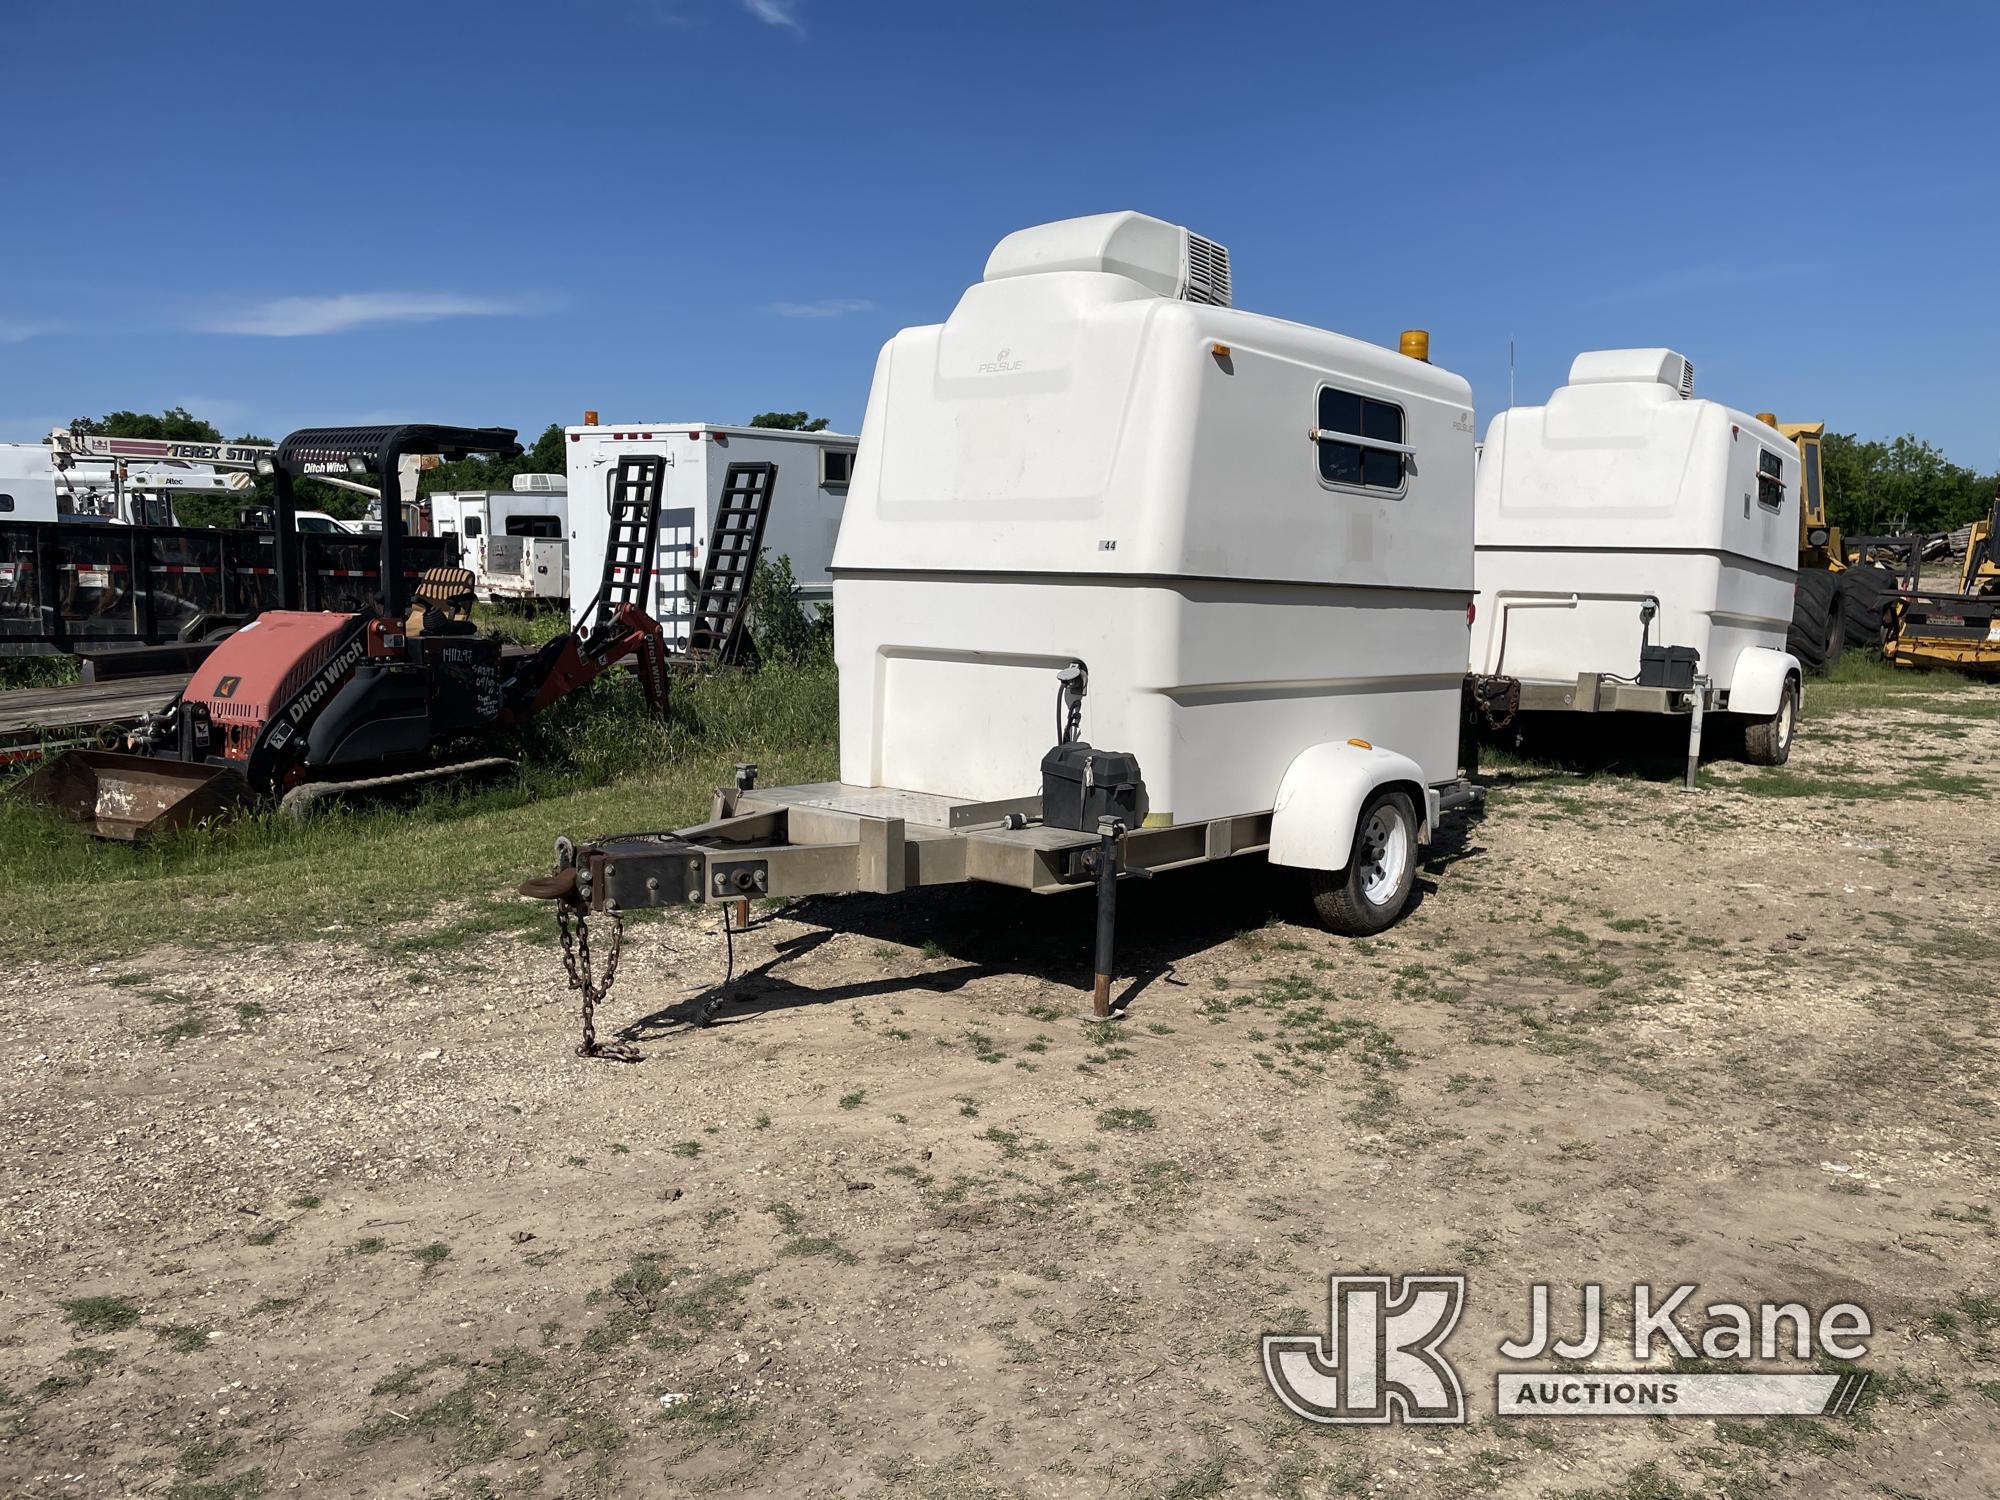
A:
{"points": [[282, 215]]}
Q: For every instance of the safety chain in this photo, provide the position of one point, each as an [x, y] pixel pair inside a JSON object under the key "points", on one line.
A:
{"points": [[573, 926]]}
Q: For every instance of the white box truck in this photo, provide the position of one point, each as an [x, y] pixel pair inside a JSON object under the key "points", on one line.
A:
{"points": [[515, 541], [810, 489], [1128, 580], [1636, 549]]}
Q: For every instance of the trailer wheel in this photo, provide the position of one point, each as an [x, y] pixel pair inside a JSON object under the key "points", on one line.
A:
{"points": [[1768, 742], [1371, 892]]}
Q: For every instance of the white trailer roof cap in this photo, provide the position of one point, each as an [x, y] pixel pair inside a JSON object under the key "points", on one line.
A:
{"points": [[1634, 367], [1164, 258]]}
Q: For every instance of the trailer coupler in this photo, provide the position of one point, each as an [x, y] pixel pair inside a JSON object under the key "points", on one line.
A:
{"points": [[566, 886]]}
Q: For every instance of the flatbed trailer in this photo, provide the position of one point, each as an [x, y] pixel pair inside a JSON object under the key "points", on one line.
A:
{"points": [[39, 721]]}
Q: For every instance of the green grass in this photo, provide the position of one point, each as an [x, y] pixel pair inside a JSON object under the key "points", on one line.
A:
{"points": [[1863, 680], [36, 671], [182, 1338], [595, 763], [88, 1315], [1125, 1118]]}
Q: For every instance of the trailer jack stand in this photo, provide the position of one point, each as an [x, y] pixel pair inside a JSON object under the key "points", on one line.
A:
{"points": [[1109, 831], [1701, 685]]}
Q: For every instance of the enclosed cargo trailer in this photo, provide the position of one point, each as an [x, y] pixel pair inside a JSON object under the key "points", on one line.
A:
{"points": [[1127, 580], [1636, 550], [812, 471]]}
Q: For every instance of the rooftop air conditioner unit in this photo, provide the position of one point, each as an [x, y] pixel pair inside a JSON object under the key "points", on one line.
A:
{"points": [[1635, 367], [1163, 257], [541, 484]]}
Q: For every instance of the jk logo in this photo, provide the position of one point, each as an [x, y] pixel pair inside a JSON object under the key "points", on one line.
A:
{"points": [[1381, 1351]]}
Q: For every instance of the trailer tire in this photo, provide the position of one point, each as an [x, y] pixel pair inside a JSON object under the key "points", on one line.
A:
{"points": [[1768, 742], [1372, 891]]}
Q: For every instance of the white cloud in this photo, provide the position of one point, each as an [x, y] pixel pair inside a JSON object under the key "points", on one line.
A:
{"points": [[289, 317], [776, 13], [826, 307], [15, 331]]}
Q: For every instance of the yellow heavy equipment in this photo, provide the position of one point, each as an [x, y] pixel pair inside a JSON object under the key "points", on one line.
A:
{"points": [[1960, 631], [1819, 605]]}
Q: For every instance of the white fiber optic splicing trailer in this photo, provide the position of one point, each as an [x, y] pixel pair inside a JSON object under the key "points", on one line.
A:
{"points": [[1097, 507], [515, 541], [813, 470], [1636, 551]]}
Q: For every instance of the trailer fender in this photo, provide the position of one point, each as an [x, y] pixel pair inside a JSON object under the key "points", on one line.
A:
{"points": [[1320, 800], [1759, 680]]}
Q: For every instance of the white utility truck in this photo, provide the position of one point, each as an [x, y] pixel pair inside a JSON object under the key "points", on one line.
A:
{"points": [[515, 541], [120, 481], [1128, 580], [801, 511], [1636, 551]]}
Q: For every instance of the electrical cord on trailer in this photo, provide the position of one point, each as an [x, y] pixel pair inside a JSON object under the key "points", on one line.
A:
{"points": [[710, 1006], [1072, 682]]}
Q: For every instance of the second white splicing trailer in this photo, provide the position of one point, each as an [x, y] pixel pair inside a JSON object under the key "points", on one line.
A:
{"points": [[1637, 549], [1128, 579]]}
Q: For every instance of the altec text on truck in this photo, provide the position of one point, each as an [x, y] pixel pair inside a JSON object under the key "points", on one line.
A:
{"points": [[1099, 507]]}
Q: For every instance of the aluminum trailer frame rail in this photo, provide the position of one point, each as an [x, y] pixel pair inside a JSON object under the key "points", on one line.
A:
{"points": [[829, 837]]}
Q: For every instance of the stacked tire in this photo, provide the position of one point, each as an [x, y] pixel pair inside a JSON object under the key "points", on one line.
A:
{"points": [[1868, 596], [1819, 619]]}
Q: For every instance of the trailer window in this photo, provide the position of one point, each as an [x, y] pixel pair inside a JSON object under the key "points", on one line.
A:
{"points": [[472, 526], [836, 467], [6, 502], [533, 526], [1360, 441], [1770, 480]]}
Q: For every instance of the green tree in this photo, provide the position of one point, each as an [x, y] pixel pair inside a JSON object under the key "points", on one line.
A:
{"points": [[546, 455], [779, 624], [175, 424], [1906, 484], [789, 421]]}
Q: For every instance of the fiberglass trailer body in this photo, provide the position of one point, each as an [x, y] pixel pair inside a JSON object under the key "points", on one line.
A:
{"points": [[803, 515], [515, 541], [1128, 580], [1637, 549]]}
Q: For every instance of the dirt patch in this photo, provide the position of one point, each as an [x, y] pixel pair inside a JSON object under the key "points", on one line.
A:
{"points": [[345, 1216]]}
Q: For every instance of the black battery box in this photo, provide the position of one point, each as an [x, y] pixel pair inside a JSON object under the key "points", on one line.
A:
{"points": [[1670, 667], [1081, 784]]}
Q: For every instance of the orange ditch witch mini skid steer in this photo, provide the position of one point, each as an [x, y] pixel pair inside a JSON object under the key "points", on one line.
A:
{"points": [[297, 705]]}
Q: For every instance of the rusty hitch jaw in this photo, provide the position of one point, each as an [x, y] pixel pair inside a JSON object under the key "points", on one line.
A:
{"points": [[564, 883]]}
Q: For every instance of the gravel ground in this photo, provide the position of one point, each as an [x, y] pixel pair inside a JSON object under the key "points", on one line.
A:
{"points": [[342, 1214]]}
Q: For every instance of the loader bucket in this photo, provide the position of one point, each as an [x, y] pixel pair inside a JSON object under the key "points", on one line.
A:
{"points": [[130, 797]]}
